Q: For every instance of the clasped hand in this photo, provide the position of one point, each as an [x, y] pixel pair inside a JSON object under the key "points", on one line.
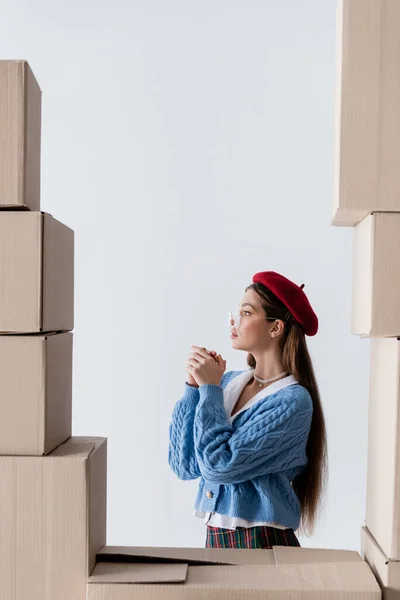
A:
{"points": [[205, 367]]}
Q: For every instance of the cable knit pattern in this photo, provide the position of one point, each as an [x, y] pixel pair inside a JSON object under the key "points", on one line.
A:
{"points": [[246, 467], [181, 454]]}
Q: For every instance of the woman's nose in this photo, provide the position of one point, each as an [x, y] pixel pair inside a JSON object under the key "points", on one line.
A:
{"points": [[236, 320]]}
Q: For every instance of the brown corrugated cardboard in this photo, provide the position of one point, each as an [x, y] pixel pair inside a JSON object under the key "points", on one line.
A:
{"points": [[137, 573], [383, 474], [285, 573], [386, 571], [223, 556], [52, 520], [20, 127], [36, 273], [36, 392], [197, 556], [367, 117], [376, 276]]}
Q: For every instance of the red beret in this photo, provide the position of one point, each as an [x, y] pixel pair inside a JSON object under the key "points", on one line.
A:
{"points": [[292, 297]]}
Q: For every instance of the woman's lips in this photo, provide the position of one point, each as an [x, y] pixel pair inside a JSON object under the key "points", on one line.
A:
{"points": [[233, 335]]}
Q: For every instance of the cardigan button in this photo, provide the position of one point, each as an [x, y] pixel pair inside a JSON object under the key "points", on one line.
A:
{"points": [[209, 494]]}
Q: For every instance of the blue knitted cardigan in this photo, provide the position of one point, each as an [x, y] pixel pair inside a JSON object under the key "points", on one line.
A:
{"points": [[246, 466]]}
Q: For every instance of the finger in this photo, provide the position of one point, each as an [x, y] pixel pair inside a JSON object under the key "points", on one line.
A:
{"points": [[201, 358], [200, 350], [215, 358], [198, 358], [221, 361], [194, 364]]}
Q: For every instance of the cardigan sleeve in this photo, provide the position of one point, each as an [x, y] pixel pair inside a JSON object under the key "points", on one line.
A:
{"points": [[181, 454], [273, 438]]}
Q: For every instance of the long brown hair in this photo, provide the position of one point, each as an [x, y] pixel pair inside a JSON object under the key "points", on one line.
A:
{"points": [[309, 485]]}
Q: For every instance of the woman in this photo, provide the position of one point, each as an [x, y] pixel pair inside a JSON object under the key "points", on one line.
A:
{"points": [[257, 437]]}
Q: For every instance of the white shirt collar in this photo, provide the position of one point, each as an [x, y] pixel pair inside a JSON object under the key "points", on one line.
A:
{"points": [[235, 387]]}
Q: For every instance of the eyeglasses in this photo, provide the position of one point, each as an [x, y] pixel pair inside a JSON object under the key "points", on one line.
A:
{"points": [[237, 316]]}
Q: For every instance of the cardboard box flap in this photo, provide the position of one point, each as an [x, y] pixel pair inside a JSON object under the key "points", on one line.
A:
{"points": [[324, 580], [192, 556], [316, 580], [78, 447], [225, 556], [138, 573], [289, 555]]}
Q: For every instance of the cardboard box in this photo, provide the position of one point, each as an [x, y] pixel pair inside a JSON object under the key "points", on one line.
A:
{"points": [[36, 273], [52, 520], [386, 571], [383, 474], [367, 116], [124, 573], [20, 131], [376, 276], [36, 393]]}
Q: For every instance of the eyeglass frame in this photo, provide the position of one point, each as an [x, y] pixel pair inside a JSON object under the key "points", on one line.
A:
{"points": [[231, 317]]}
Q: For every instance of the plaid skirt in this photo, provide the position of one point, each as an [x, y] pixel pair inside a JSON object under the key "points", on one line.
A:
{"points": [[260, 536]]}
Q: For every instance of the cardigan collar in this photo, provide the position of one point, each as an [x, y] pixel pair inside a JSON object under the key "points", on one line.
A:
{"points": [[235, 387]]}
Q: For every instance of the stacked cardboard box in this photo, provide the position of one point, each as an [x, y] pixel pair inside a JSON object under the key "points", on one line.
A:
{"points": [[367, 145], [367, 197], [124, 573], [53, 486]]}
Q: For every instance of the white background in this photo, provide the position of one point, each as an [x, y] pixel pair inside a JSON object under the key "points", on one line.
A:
{"points": [[190, 145]]}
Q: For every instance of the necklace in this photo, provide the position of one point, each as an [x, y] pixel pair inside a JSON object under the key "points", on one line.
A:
{"points": [[262, 382]]}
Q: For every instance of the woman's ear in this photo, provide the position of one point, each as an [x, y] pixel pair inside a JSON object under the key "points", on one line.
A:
{"points": [[277, 328]]}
